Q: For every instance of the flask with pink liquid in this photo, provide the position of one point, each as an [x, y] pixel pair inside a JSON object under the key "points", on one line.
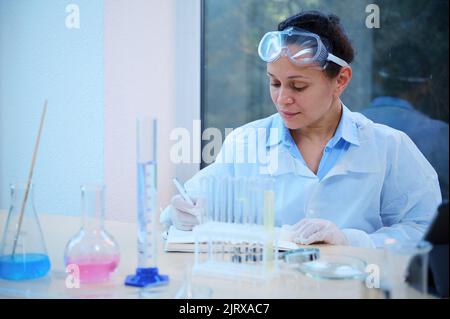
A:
{"points": [[93, 250]]}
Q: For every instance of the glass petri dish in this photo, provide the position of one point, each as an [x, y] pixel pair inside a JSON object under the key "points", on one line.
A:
{"points": [[339, 267]]}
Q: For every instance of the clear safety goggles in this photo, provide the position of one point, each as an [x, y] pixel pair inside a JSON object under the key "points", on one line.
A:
{"points": [[300, 46]]}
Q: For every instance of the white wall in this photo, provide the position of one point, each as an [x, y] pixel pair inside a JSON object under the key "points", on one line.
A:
{"points": [[128, 59], [188, 81], [143, 77], [41, 58]]}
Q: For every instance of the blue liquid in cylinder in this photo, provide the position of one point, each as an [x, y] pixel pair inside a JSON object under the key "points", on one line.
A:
{"points": [[24, 266]]}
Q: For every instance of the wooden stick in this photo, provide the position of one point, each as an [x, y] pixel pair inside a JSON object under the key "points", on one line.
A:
{"points": [[30, 176]]}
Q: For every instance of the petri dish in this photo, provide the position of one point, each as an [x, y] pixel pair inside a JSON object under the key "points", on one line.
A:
{"points": [[330, 266]]}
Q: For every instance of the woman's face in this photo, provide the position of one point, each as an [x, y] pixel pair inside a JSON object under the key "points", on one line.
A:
{"points": [[302, 95]]}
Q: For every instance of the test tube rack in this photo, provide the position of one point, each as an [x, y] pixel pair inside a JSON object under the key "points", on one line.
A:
{"points": [[235, 251]]}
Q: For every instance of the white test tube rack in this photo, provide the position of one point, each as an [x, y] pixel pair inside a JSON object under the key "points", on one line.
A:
{"points": [[237, 238]]}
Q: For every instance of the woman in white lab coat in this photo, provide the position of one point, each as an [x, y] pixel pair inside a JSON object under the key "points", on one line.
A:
{"points": [[340, 178]]}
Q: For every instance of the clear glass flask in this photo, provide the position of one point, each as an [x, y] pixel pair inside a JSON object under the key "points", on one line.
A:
{"points": [[93, 250], [23, 254]]}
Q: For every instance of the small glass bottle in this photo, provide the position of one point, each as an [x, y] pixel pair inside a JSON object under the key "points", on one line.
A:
{"points": [[93, 250], [23, 254]]}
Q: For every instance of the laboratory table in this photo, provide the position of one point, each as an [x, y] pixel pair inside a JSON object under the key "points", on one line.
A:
{"points": [[286, 283]]}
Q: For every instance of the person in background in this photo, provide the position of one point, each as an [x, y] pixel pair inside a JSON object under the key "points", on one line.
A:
{"points": [[405, 81]]}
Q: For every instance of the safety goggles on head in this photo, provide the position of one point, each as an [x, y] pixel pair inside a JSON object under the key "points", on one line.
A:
{"points": [[300, 46]]}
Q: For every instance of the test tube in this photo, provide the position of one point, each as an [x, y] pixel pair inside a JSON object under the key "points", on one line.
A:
{"points": [[248, 203], [217, 198], [269, 210], [204, 194], [210, 190], [259, 205], [251, 202], [220, 198], [239, 200], [269, 220], [229, 199]]}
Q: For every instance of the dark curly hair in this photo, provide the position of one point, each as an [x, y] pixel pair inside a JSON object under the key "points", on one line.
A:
{"points": [[331, 32]]}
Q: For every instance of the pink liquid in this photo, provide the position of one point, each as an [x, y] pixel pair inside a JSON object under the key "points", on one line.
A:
{"points": [[95, 269]]}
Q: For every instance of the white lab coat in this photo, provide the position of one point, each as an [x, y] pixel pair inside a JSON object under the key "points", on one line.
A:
{"points": [[382, 188]]}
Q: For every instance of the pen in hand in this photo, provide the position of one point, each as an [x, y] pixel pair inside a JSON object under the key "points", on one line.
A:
{"points": [[182, 191]]}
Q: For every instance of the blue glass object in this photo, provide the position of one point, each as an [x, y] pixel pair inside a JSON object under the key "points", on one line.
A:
{"points": [[147, 273], [23, 254], [24, 266]]}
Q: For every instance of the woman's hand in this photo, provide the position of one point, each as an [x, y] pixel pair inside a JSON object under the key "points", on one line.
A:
{"points": [[185, 216], [314, 230]]}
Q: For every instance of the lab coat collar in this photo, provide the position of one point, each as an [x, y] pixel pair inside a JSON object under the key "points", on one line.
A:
{"points": [[347, 130], [282, 131], [361, 156], [350, 162], [286, 163], [358, 159]]}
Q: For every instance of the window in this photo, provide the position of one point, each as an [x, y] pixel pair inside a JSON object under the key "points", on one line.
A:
{"points": [[235, 87]]}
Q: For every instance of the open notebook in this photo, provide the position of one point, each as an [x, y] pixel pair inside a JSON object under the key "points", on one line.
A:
{"points": [[183, 241]]}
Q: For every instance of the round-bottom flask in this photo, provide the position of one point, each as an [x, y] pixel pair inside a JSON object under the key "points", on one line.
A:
{"points": [[92, 252]]}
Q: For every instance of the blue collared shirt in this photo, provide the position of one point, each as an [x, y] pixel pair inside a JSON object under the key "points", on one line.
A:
{"points": [[345, 135], [375, 184]]}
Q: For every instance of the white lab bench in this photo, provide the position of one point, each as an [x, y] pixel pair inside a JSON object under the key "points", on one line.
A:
{"points": [[287, 284]]}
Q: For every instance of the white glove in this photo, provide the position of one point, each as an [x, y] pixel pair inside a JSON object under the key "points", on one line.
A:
{"points": [[185, 216], [314, 230]]}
